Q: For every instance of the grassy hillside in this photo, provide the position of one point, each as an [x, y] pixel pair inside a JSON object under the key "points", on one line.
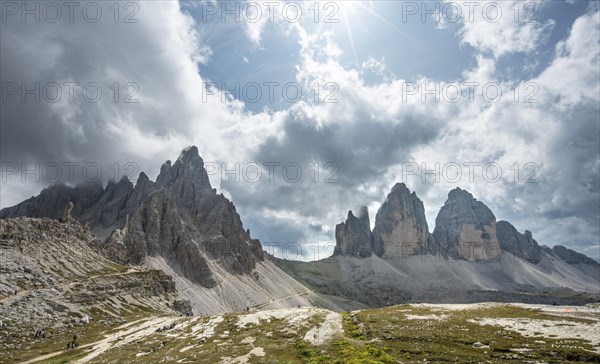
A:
{"points": [[491, 333]]}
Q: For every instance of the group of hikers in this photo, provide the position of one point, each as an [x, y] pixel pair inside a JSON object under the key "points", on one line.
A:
{"points": [[74, 344]]}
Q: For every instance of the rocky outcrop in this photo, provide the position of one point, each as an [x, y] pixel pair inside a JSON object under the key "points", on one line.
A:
{"points": [[571, 256], [400, 224], [520, 245], [52, 279], [159, 228], [187, 179], [465, 228], [353, 237], [180, 217], [45, 253]]}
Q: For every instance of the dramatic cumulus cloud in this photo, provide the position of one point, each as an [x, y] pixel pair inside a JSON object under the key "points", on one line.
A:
{"points": [[546, 145], [559, 134], [501, 27], [154, 60], [350, 146]]}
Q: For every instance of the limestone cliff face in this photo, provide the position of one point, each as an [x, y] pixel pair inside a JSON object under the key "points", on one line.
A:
{"points": [[353, 237], [520, 245], [180, 217], [112, 206], [184, 220], [400, 224], [465, 228]]}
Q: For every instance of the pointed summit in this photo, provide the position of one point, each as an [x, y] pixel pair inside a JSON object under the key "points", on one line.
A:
{"points": [[187, 178], [190, 153], [400, 187], [143, 178], [465, 228], [363, 216], [459, 193], [400, 224], [143, 187], [353, 237]]}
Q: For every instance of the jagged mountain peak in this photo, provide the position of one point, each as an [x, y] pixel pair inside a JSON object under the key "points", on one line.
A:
{"points": [[465, 228], [190, 152], [399, 187], [190, 158], [187, 169], [400, 224], [180, 218], [363, 215], [520, 245], [459, 193], [143, 177], [353, 237]]}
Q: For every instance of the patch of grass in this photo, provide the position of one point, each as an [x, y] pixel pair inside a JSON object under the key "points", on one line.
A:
{"points": [[351, 326], [373, 336]]}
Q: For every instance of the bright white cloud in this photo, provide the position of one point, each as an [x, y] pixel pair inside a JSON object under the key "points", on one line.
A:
{"points": [[501, 28]]}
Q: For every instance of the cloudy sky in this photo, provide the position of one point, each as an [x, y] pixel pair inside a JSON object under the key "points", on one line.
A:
{"points": [[304, 110]]}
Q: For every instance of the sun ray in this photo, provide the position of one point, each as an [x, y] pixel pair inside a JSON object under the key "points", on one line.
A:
{"points": [[384, 20], [350, 36]]}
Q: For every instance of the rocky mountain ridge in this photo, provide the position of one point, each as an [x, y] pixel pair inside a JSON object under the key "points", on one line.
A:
{"points": [[465, 228], [180, 225], [180, 217]]}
